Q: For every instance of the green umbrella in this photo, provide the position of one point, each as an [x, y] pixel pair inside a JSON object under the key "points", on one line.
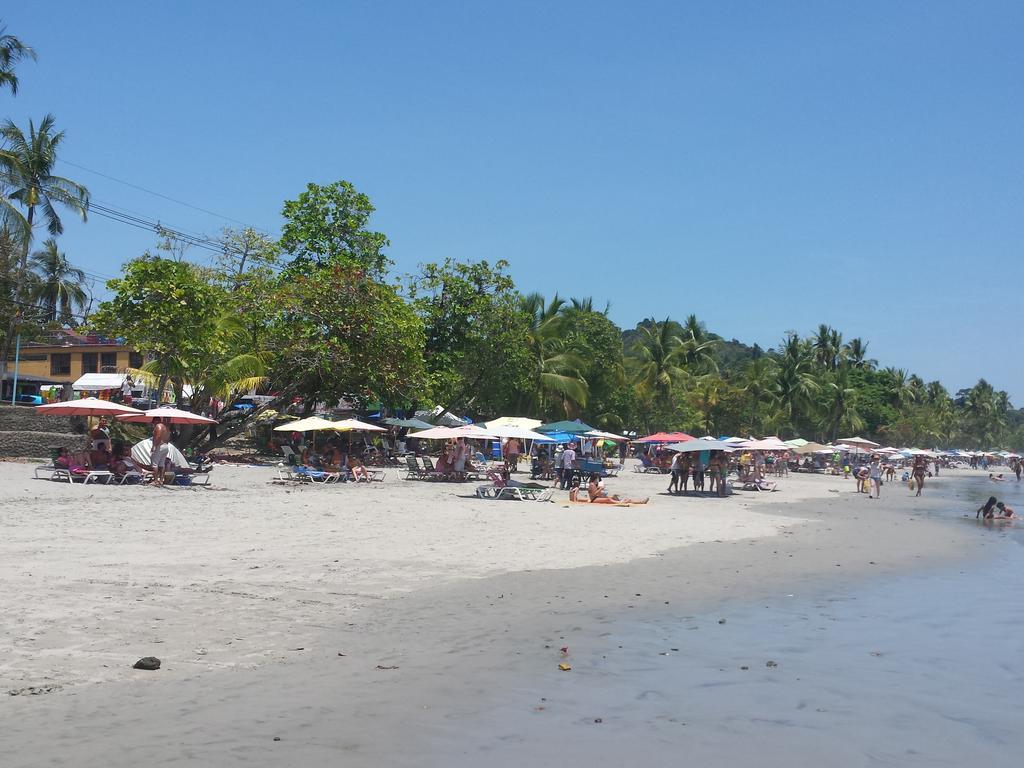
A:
{"points": [[410, 423], [572, 427]]}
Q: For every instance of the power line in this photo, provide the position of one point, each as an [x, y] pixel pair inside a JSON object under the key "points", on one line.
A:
{"points": [[161, 195]]}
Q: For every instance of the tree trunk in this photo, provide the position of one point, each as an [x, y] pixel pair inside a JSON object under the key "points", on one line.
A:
{"points": [[14, 326]]}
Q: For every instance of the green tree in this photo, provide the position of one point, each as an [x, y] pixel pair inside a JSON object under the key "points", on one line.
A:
{"points": [[60, 285], [797, 381], [26, 166], [12, 51], [761, 393], [338, 333], [475, 353], [557, 386], [329, 224], [166, 308]]}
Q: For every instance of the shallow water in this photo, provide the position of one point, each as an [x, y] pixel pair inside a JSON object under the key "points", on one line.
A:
{"points": [[919, 670]]}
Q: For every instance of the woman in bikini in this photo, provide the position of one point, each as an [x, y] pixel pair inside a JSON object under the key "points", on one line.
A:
{"points": [[919, 472], [598, 495]]}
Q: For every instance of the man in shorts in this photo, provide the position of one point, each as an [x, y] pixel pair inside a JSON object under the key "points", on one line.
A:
{"points": [[161, 439]]}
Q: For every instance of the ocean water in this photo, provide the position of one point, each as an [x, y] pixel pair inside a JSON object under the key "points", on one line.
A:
{"points": [[925, 669]]}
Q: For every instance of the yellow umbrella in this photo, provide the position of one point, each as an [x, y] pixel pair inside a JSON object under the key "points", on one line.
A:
{"points": [[309, 424]]}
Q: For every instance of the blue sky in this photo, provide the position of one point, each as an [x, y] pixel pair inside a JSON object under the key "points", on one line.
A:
{"points": [[767, 166]]}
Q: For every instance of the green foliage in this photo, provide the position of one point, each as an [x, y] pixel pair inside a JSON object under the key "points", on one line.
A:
{"points": [[59, 286], [12, 51], [475, 352], [339, 333], [328, 224]]}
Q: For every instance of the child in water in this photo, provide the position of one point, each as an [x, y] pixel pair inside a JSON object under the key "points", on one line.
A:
{"points": [[987, 510]]}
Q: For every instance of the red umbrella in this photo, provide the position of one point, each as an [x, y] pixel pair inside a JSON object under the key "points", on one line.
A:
{"points": [[665, 437], [167, 415], [87, 406]]}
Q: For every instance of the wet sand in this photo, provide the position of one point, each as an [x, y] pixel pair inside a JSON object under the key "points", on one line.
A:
{"points": [[465, 672]]}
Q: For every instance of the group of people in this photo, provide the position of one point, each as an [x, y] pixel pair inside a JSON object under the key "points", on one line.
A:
{"points": [[714, 472], [994, 510]]}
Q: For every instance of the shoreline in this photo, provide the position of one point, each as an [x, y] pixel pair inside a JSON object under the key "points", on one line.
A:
{"points": [[445, 637]]}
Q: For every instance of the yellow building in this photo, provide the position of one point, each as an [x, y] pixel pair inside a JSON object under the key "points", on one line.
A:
{"points": [[65, 357]]}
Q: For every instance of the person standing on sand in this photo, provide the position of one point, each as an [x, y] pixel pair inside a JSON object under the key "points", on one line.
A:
{"points": [[919, 473], [568, 465], [673, 484], [161, 438], [875, 471]]}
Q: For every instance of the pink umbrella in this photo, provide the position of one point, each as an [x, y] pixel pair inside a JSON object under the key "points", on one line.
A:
{"points": [[87, 406], [167, 415]]}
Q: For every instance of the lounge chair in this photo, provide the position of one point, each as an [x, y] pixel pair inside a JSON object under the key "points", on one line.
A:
{"points": [[758, 485], [413, 471], [430, 472], [84, 474]]}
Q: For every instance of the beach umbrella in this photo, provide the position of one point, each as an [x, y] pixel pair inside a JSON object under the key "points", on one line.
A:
{"points": [[468, 431], [811, 448], [665, 437], [572, 427], [408, 423], [796, 442], [859, 442], [87, 406], [698, 445], [520, 433], [599, 435], [309, 424], [354, 425], [514, 421], [768, 444], [561, 438], [167, 415]]}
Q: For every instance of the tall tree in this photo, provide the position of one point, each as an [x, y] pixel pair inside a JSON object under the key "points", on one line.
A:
{"points": [[60, 286], [12, 51], [555, 366], [329, 224], [26, 165]]}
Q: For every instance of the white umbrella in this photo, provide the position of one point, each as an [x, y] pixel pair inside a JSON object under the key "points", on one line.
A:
{"points": [[167, 415], [861, 442], [354, 425], [469, 431], [768, 444], [514, 421], [599, 435], [519, 433], [87, 406], [700, 444]]}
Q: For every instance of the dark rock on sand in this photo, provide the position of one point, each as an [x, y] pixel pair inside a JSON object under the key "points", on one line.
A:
{"points": [[147, 662]]}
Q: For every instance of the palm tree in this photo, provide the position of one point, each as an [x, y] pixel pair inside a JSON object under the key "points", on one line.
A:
{"points": [[12, 50], [761, 386], [840, 408], [797, 383], [697, 348], [901, 390], [59, 287], [657, 357], [556, 368], [26, 164], [855, 351]]}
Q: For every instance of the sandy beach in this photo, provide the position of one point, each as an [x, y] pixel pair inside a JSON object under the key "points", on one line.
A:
{"points": [[388, 624]]}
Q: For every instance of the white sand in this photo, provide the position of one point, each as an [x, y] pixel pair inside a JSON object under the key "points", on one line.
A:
{"points": [[237, 574]]}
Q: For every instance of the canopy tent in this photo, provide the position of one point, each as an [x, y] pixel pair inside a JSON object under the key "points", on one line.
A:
{"points": [[468, 431], [514, 421], [572, 427], [699, 444], [796, 442], [97, 382], [87, 406], [408, 423], [811, 448], [665, 437], [860, 442], [142, 454], [166, 414]]}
